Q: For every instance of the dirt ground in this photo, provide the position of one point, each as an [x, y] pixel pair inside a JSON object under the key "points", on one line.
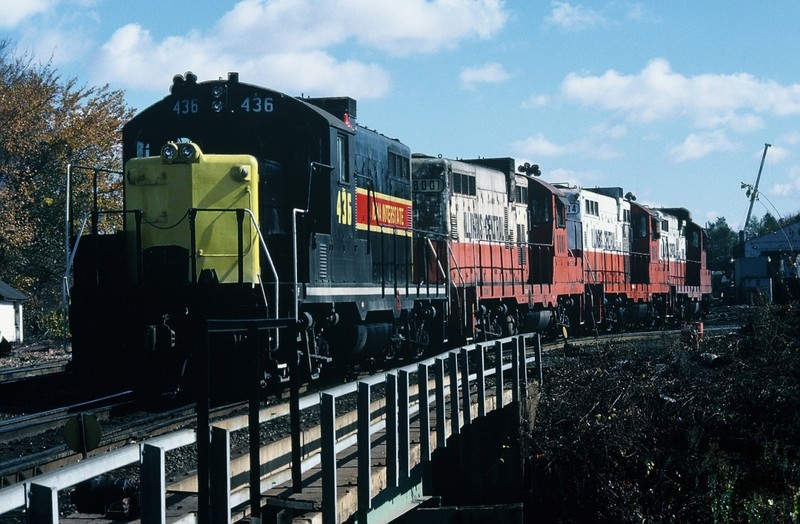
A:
{"points": [[663, 431]]}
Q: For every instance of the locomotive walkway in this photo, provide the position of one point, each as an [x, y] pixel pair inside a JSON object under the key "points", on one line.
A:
{"points": [[372, 464]]}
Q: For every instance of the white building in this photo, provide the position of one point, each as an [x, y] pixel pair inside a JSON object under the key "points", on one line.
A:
{"points": [[11, 313]]}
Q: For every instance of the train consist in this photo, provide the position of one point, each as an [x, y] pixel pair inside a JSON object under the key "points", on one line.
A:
{"points": [[244, 203]]}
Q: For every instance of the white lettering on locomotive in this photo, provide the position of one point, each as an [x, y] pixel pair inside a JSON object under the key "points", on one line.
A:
{"points": [[478, 226]]}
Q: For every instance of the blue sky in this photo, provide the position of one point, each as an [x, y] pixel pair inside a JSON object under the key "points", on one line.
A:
{"points": [[671, 100]]}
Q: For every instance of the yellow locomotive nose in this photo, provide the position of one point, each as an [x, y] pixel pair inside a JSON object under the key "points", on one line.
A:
{"points": [[189, 204]]}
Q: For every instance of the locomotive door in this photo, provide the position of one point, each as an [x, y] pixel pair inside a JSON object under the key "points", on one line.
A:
{"points": [[343, 255]]}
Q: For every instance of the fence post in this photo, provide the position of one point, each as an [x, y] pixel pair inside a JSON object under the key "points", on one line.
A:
{"points": [[498, 373], [424, 413], [391, 431], [441, 421], [481, 371], [466, 398], [537, 349], [403, 427], [452, 364], [364, 451], [43, 504], [515, 370], [523, 365], [330, 501], [154, 486], [220, 489]]}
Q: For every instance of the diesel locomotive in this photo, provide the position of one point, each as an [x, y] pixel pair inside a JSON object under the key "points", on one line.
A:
{"points": [[240, 202]]}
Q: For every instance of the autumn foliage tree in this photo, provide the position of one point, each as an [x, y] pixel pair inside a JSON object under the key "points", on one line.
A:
{"points": [[46, 123]]}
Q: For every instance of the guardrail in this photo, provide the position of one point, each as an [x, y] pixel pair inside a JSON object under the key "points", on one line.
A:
{"points": [[446, 389]]}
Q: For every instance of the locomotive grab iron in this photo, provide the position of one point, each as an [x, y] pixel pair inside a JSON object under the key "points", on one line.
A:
{"points": [[242, 202]]}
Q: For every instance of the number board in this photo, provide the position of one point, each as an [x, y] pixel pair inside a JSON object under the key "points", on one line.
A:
{"points": [[256, 104]]}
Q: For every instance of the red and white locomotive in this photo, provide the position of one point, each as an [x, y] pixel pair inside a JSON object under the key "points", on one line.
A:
{"points": [[513, 253]]}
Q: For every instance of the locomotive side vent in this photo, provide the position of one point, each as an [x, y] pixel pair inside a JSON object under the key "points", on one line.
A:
{"points": [[323, 262], [453, 227], [506, 231]]}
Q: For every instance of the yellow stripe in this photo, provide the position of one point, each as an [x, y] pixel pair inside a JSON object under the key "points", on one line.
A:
{"points": [[385, 229]]}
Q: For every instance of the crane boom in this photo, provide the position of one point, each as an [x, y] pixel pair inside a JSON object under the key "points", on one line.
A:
{"points": [[754, 194]]}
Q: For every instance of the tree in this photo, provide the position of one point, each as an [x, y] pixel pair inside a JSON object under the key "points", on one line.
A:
{"points": [[45, 124], [721, 241], [765, 225]]}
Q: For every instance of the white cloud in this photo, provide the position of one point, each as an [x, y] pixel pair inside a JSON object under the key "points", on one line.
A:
{"points": [[792, 138], [132, 48], [775, 154], [791, 188], [12, 12], [399, 28], [609, 131], [487, 74], [699, 145], [578, 17], [538, 146], [574, 18], [736, 101], [535, 101], [283, 43]]}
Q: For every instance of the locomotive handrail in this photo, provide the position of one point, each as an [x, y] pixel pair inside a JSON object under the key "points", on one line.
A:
{"points": [[262, 243], [458, 268], [71, 256], [70, 253], [438, 262], [269, 260]]}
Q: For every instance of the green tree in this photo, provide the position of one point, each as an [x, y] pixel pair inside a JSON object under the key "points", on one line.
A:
{"points": [[45, 124], [766, 224], [721, 241]]}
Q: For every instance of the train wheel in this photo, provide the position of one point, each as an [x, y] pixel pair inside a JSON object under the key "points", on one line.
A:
{"points": [[422, 341], [511, 326]]}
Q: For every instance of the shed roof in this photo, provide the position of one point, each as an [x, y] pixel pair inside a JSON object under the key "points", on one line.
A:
{"points": [[9, 293]]}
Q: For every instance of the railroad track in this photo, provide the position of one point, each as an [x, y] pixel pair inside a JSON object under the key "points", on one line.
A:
{"points": [[18, 374], [55, 453]]}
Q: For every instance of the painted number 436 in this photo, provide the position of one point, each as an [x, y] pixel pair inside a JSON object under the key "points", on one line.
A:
{"points": [[344, 207]]}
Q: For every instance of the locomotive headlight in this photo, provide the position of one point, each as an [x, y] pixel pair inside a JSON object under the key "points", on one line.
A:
{"points": [[218, 93], [189, 151], [169, 152]]}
